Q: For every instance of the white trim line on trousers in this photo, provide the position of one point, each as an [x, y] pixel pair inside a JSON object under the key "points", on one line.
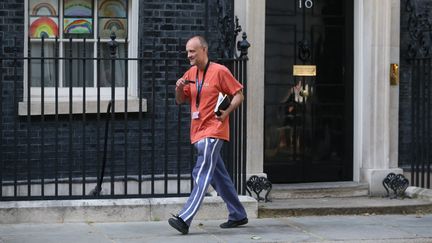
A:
{"points": [[196, 181], [206, 180]]}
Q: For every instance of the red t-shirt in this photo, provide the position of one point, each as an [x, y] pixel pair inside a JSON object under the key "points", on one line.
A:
{"points": [[218, 79]]}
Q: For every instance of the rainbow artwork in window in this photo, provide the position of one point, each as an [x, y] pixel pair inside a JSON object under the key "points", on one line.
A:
{"points": [[78, 26], [43, 7], [118, 26], [43, 27], [112, 8], [78, 8]]}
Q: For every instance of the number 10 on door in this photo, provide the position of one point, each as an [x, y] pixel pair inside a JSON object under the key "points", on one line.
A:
{"points": [[305, 3]]}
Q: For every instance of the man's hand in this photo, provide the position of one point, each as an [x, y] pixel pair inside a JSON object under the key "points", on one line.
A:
{"points": [[181, 82], [235, 102], [179, 95], [223, 115]]}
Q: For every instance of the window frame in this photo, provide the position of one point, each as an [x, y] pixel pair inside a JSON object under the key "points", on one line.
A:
{"points": [[91, 92]]}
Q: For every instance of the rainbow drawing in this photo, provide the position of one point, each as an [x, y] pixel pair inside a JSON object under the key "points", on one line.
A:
{"points": [[43, 27], [44, 7], [78, 26], [78, 8], [112, 8], [118, 26]]}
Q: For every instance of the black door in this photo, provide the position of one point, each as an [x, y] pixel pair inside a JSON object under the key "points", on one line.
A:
{"points": [[309, 120]]}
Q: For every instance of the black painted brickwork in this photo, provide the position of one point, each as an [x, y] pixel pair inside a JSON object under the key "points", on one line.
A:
{"points": [[404, 93], [406, 76]]}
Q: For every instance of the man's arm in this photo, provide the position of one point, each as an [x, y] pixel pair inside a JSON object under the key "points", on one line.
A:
{"points": [[235, 102], [179, 94]]}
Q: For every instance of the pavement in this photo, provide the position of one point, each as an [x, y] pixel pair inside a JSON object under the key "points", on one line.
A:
{"points": [[353, 228]]}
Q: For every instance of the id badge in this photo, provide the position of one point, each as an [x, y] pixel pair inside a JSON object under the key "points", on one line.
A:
{"points": [[195, 115]]}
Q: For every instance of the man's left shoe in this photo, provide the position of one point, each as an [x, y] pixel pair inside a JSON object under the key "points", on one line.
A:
{"points": [[233, 224], [177, 223]]}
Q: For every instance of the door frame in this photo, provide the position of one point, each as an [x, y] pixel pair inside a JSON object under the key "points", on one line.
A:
{"points": [[372, 21]]}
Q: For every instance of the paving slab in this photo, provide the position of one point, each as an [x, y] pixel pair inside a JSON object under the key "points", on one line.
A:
{"points": [[49, 233]]}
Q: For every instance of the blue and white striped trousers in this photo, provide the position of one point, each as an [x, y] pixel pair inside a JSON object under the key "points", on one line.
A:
{"points": [[210, 169]]}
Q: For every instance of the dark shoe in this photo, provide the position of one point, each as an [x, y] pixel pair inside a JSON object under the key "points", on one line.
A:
{"points": [[177, 223], [233, 224]]}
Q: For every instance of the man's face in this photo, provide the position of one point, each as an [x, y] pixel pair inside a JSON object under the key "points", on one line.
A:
{"points": [[195, 52]]}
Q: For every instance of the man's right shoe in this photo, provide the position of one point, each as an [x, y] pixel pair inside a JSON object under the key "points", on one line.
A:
{"points": [[177, 223]]}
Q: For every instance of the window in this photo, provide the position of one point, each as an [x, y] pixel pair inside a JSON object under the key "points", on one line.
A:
{"points": [[73, 28]]}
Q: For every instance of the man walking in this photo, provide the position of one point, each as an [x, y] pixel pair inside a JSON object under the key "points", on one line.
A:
{"points": [[200, 86]]}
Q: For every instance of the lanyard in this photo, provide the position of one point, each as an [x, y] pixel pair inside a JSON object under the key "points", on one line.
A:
{"points": [[200, 85]]}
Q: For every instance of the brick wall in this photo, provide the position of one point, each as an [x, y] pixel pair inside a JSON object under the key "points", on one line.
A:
{"points": [[422, 10], [405, 94]]}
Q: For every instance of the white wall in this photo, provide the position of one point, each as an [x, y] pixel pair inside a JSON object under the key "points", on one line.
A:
{"points": [[251, 15], [376, 34]]}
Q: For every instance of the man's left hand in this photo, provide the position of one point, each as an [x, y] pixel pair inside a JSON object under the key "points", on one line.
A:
{"points": [[235, 102], [223, 115]]}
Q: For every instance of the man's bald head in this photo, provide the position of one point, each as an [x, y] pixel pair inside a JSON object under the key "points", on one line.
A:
{"points": [[197, 51], [202, 41]]}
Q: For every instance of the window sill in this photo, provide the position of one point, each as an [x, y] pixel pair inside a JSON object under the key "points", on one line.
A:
{"points": [[77, 107]]}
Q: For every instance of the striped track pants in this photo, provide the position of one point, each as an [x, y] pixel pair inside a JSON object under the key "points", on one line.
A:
{"points": [[210, 169]]}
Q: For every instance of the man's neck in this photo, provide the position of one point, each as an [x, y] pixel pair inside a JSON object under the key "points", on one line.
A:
{"points": [[202, 65]]}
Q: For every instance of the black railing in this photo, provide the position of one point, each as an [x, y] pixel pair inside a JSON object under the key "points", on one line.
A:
{"points": [[53, 127], [421, 127]]}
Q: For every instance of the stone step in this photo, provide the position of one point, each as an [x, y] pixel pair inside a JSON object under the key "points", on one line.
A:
{"points": [[113, 210], [342, 206], [319, 190]]}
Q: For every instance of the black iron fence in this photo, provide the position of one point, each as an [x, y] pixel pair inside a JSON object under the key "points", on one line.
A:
{"points": [[81, 119], [421, 127]]}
